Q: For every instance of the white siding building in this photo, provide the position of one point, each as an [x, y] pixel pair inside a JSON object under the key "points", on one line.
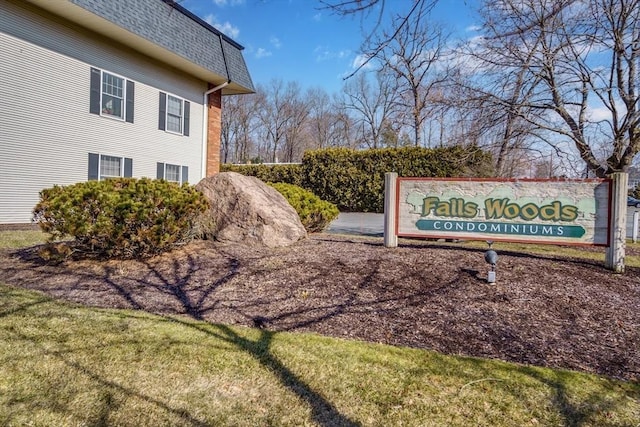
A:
{"points": [[91, 89]]}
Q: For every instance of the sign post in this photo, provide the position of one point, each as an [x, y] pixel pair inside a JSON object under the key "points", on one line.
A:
{"points": [[614, 258], [390, 196]]}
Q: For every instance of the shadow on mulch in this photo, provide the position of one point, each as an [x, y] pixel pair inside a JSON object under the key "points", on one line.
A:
{"points": [[543, 310]]}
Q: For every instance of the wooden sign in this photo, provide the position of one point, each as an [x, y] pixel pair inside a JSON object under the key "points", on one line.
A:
{"points": [[572, 212]]}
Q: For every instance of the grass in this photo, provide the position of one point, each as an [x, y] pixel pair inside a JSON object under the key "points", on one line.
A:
{"points": [[21, 239], [67, 365]]}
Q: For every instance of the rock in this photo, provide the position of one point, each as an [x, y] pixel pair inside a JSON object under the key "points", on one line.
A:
{"points": [[246, 210]]}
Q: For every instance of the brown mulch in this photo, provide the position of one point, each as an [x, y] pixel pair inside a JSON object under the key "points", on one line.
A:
{"points": [[543, 310]]}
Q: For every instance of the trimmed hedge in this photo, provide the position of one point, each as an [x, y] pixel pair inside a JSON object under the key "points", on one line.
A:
{"points": [[315, 213], [120, 218], [354, 180], [289, 173]]}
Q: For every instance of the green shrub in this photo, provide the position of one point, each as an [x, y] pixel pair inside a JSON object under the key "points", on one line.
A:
{"points": [[315, 213], [354, 180], [287, 173], [120, 218]]}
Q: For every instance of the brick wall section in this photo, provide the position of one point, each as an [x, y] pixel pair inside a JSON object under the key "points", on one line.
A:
{"points": [[214, 132]]}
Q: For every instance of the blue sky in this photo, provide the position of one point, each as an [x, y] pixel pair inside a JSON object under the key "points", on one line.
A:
{"points": [[295, 40]]}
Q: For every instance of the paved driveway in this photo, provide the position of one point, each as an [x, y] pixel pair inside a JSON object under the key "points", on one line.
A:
{"points": [[370, 224]]}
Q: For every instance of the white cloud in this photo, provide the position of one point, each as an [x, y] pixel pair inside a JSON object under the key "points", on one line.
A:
{"points": [[599, 114], [323, 53], [262, 53], [317, 17], [275, 42], [210, 19], [471, 28], [228, 29], [361, 59], [221, 3]]}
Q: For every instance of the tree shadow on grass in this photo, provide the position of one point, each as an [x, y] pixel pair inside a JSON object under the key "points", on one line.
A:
{"points": [[354, 295], [574, 405], [323, 412], [574, 413], [108, 388]]}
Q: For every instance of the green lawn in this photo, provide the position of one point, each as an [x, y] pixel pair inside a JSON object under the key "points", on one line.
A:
{"points": [[21, 239], [67, 365]]}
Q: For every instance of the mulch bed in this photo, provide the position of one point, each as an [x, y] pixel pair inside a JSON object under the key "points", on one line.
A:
{"points": [[543, 310]]}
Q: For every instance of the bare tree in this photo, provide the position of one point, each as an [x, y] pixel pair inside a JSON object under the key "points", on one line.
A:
{"points": [[372, 106], [328, 124], [414, 50], [283, 112], [344, 128], [376, 8], [320, 117], [578, 64], [489, 116], [228, 128], [296, 111], [238, 126], [273, 117]]}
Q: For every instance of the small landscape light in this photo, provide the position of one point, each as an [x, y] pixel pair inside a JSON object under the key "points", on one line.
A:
{"points": [[491, 257]]}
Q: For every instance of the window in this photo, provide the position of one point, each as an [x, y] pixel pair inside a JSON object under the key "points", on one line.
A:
{"points": [[173, 173], [111, 95], [174, 114], [110, 167], [103, 166]]}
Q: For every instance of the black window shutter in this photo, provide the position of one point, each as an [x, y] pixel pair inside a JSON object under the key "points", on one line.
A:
{"points": [[162, 116], [94, 96], [186, 118], [128, 168], [185, 174], [160, 171], [130, 92], [94, 162]]}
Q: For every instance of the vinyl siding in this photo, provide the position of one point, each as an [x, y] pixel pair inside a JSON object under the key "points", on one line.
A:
{"points": [[46, 129]]}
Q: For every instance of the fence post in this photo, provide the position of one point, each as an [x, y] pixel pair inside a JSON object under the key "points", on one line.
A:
{"points": [[614, 258], [390, 191]]}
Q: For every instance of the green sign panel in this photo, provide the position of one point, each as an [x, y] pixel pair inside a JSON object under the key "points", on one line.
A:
{"points": [[545, 230]]}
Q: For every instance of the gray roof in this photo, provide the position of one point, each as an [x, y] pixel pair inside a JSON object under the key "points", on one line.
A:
{"points": [[167, 31]]}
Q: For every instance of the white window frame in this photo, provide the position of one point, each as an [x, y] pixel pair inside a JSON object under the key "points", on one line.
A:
{"points": [[166, 126], [103, 177], [123, 100], [179, 181]]}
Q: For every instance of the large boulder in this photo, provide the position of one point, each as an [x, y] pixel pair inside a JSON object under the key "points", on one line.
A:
{"points": [[246, 210]]}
